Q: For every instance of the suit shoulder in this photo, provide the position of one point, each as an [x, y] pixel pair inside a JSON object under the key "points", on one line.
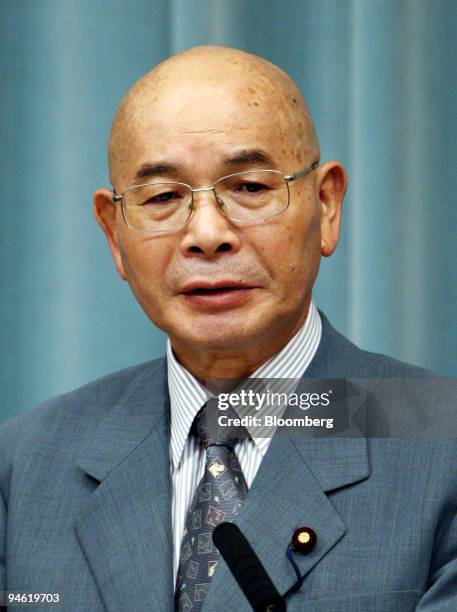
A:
{"points": [[81, 408], [390, 367], [339, 355]]}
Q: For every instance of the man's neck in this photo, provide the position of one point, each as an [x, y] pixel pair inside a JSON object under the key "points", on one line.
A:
{"points": [[210, 367]]}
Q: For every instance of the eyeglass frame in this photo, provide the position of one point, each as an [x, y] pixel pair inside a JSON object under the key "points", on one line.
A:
{"points": [[119, 199]]}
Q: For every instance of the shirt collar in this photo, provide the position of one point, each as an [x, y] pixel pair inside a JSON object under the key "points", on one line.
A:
{"points": [[187, 395]]}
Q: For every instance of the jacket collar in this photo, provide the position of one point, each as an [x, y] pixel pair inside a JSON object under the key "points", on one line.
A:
{"points": [[125, 530]]}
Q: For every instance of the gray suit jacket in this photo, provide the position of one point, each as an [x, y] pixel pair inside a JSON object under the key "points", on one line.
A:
{"points": [[85, 504]]}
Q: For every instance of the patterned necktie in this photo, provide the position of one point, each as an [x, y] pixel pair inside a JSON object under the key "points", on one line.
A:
{"points": [[218, 498]]}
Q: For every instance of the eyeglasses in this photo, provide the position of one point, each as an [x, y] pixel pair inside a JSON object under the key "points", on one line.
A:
{"points": [[244, 197]]}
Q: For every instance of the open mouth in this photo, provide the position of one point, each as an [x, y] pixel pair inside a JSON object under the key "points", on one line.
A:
{"points": [[219, 296], [213, 291]]}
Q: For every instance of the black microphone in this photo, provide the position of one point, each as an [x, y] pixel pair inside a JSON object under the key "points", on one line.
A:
{"points": [[247, 569]]}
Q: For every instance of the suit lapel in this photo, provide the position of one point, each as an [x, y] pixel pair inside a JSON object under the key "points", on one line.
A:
{"points": [[125, 531], [289, 491]]}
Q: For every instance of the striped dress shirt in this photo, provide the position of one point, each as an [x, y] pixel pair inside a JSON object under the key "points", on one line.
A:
{"points": [[187, 396]]}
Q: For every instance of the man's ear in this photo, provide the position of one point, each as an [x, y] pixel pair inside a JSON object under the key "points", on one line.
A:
{"points": [[332, 185], [105, 211]]}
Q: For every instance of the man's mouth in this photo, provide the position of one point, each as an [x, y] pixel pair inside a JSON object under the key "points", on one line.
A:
{"points": [[216, 295], [211, 291], [205, 286]]}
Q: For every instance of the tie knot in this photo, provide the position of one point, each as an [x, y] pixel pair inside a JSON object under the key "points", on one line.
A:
{"points": [[214, 426]]}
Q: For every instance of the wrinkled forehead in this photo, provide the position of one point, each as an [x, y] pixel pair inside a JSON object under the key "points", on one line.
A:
{"points": [[205, 113]]}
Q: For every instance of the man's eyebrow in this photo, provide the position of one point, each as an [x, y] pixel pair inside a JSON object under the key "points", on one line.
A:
{"points": [[249, 156], [151, 169], [243, 158]]}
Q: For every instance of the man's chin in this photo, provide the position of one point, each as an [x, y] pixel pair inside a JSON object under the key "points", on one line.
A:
{"points": [[217, 335], [221, 340]]}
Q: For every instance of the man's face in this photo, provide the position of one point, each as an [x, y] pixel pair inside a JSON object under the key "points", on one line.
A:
{"points": [[214, 284]]}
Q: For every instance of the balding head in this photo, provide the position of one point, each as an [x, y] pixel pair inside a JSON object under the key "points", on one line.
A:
{"points": [[189, 91]]}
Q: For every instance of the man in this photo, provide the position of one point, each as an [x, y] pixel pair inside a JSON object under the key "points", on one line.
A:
{"points": [[219, 214]]}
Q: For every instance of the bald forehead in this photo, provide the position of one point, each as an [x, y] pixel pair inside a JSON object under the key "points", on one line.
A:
{"points": [[175, 90]]}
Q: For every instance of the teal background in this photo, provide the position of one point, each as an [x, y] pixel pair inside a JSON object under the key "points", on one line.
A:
{"points": [[381, 81]]}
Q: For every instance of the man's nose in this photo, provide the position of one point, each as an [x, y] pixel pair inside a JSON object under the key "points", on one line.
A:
{"points": [[208, 231]]}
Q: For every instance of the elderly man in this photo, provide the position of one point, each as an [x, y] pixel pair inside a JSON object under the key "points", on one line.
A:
{"points": [[109, 495]]}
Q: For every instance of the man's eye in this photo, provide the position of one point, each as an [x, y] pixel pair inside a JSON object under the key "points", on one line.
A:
{"points": [[251, 187], [166, 196]]}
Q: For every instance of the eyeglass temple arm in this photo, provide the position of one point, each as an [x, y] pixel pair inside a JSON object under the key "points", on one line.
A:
{"points": [[293, 177]]}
